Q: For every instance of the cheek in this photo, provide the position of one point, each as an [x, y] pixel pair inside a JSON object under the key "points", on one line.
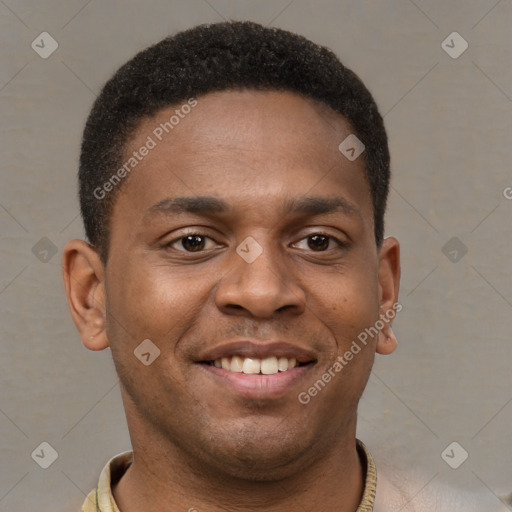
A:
{"points": [[349, 305], [153, 303]]}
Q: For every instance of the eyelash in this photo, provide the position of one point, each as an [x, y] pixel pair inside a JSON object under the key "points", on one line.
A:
{"points": [[341, 244]]}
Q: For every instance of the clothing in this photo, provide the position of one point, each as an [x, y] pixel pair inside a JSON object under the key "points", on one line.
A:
{"points": [[101, 499]]}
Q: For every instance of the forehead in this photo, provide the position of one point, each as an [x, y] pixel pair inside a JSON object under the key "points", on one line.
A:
{"points": [[249, 119], [245, 147]]}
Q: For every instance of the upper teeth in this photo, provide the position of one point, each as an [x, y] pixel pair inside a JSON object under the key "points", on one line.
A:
{"points": [[267, 366]]}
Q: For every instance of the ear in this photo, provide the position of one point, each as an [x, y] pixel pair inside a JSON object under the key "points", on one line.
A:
{"points": [[389, 284], [84, 280]]}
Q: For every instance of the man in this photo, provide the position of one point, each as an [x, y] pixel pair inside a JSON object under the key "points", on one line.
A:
{"points": [[233, 184]]}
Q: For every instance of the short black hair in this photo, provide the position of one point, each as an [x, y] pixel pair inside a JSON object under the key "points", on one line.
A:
{"points": [[216, 57]]}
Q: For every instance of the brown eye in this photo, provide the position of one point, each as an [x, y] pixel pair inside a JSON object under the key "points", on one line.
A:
{"points": [[193, 243], [318, 242]]}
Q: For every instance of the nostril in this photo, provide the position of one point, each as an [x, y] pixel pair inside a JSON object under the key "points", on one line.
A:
{"points": [[285, 308], [234, 306]]}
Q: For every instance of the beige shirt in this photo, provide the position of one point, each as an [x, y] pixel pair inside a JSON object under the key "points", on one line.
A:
{"points": [[102, 500]]}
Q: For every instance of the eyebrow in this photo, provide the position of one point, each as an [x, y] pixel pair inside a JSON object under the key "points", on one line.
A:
{"points": [[313, 205], [197, 204], [208, 205]]}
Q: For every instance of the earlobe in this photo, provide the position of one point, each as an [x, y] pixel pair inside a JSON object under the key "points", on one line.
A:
{"points": [[84, 280], [387, 342]]}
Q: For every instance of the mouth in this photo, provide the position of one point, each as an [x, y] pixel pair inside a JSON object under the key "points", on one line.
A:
{"points": [[258, 370]]}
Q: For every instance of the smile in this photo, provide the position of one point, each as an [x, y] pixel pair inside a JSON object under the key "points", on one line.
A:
{"points": [[258, 369]]}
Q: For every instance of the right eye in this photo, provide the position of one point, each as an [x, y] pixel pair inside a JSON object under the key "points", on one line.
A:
{"points": [[193, 242]]}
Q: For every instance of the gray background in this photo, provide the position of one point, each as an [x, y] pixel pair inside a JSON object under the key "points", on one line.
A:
{"points": [[449, 123]]}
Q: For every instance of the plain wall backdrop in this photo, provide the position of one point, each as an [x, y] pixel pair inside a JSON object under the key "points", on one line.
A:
{"points": [[448, 112]]}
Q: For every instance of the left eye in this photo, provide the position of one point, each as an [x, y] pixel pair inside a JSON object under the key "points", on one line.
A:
{"points": [[192, 243], [319, 242]]}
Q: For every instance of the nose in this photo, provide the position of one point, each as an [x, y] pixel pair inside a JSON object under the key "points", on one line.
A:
{"points": [[262, 287]]}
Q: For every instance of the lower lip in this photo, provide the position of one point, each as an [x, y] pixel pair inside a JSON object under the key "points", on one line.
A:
{"points": [[259, 386]]}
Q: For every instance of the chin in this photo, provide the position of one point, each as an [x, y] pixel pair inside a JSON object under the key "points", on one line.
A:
{"points": [[260, 465], [258, 454]]}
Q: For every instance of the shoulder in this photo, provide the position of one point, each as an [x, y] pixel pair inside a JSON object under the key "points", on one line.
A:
{"points": [[395, 492]]}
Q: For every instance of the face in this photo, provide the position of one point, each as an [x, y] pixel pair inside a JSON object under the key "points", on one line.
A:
{"points": [[243, 247]]}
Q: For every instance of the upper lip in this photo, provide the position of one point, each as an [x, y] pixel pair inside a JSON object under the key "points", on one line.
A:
{"points": [[259, 350]]}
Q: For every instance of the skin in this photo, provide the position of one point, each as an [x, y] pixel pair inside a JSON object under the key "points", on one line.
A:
{"points": [[197, 442]]}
